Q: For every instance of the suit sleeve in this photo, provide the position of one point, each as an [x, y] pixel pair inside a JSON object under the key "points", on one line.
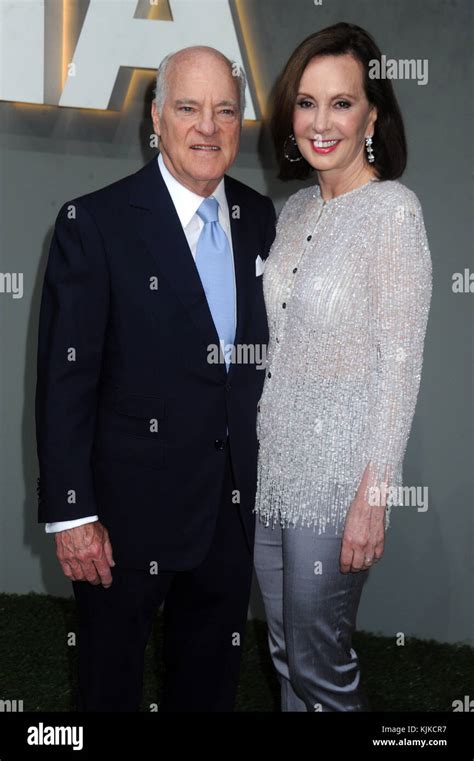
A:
{"points": [[72, 329]]}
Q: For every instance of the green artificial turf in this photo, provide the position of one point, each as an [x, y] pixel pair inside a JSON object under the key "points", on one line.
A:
{"points": [[39, 667]]}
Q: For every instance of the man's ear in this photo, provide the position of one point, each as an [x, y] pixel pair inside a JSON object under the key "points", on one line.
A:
{"points": [[156, 118]]}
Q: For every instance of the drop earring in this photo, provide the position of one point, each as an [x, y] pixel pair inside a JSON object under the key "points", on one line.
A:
{"points": [[370, 151]]}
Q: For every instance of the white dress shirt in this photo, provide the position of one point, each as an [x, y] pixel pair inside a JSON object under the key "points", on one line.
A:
{"points": [[186, 204]]}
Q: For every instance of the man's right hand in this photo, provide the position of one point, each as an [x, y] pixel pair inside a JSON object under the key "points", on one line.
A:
{"points": [[85, 553]]}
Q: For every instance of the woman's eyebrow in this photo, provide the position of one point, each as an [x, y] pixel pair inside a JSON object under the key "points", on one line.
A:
{"points": [[338, 95]]}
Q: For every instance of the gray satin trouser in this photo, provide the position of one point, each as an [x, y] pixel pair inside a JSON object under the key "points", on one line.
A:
{"points": [[311, 617]]}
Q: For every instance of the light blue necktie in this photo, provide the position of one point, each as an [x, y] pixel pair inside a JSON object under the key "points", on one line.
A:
{"points": [[216, 270]]}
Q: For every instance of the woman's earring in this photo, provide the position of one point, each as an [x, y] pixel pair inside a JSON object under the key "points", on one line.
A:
{"points": [[292, 140], [370, 151]]}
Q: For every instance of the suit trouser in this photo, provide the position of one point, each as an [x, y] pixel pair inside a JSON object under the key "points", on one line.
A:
{"points": [[205, 614], [311, 610]]}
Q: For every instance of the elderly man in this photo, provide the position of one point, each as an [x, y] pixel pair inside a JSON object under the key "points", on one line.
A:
{"points": [[146, 442]]}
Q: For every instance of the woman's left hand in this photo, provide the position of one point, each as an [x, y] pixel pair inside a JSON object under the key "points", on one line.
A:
{"points": [[363, 538], [364, 532]]}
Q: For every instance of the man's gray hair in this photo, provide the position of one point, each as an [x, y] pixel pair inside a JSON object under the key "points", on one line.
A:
{"points": [[161, 77]]}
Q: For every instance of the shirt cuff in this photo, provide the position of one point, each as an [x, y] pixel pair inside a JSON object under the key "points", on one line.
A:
{"points": [[52, 528]]}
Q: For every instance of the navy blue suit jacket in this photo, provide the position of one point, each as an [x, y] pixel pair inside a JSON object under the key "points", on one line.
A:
{"points": [[130, 414]]}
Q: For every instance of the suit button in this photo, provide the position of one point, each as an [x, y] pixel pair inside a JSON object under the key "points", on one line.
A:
{"points": [[219, 444], [228, 387]]}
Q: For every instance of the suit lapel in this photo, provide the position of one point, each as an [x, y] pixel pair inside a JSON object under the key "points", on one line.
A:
{"points": [[161, 233]]}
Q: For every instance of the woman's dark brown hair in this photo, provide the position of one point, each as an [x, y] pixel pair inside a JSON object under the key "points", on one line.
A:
{"points": [[389, 143]]}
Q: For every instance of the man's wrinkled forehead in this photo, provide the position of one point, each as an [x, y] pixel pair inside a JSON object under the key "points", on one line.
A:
{"points": [[201, 74]]}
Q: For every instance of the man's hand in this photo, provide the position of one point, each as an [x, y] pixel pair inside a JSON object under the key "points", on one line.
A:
{"points": [[85, 553]]}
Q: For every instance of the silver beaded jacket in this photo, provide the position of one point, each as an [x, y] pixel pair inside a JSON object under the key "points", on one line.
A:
{"points": [[347, 288]]}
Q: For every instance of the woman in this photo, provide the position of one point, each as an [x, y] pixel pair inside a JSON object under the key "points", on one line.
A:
{"points": [[347, 288]]}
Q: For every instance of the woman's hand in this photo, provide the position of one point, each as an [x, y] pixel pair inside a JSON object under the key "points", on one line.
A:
{"points": [[364, 533]]}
